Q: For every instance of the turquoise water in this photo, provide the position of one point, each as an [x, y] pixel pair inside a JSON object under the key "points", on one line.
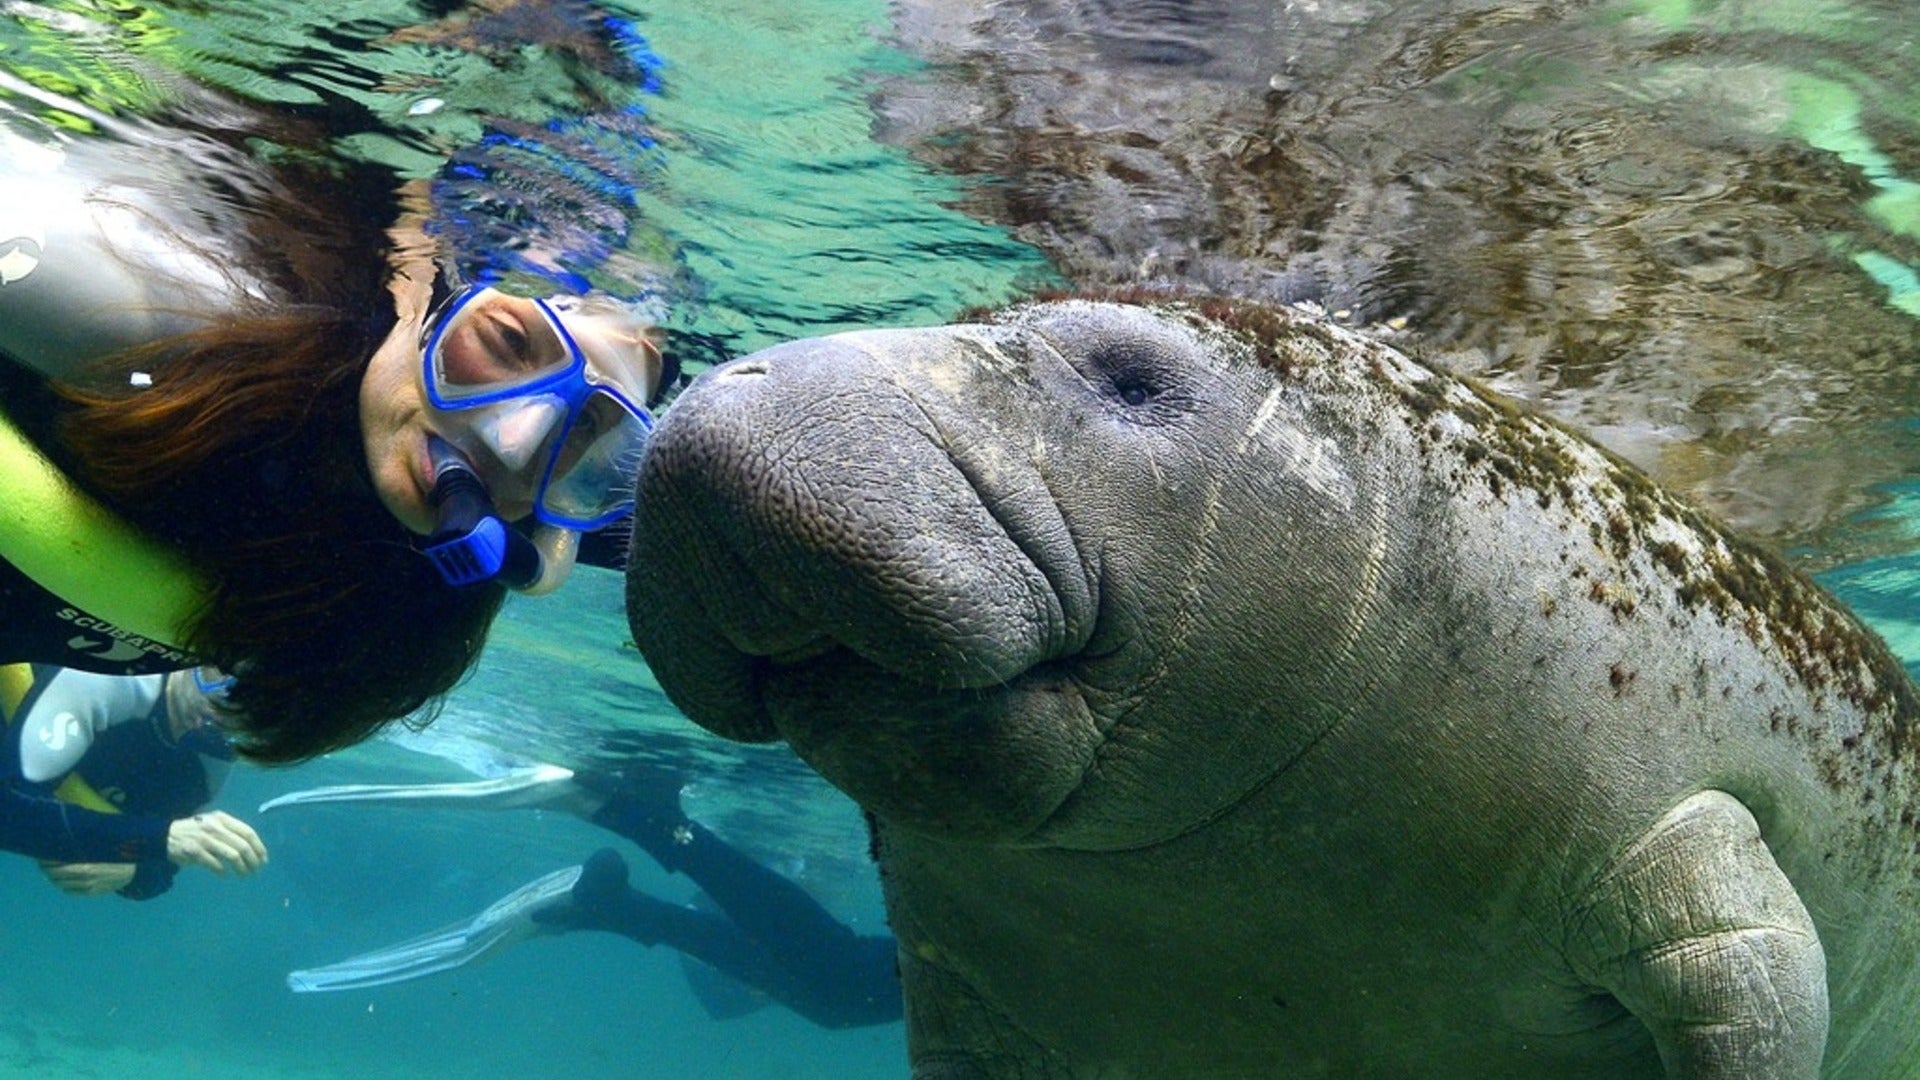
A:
{"points": [[191, 985], [754, 175], [793, 174]]}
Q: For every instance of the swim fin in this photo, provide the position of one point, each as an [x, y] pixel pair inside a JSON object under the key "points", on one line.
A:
{"points": [[506, 922], [530, 788]]}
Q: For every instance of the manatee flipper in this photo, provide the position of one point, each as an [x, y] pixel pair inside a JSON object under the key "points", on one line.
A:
{"points": [[505, 922], [1695, 929], [537, 786]]}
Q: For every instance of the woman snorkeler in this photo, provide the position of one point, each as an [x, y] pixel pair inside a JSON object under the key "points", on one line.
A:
{"points": [[252, 419]]}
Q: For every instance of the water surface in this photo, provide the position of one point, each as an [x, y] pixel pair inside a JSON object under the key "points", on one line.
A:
{"points": [[1691, 228]]}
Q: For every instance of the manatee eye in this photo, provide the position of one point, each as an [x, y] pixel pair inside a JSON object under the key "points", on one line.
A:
{"points": [[1133, 376], [1130, 372]]}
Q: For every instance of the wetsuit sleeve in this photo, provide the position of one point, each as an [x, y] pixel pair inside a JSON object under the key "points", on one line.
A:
{"points": [[38, 627], [46, 828], [32, 821], [71, 711], [55, 539], [150, 878]]}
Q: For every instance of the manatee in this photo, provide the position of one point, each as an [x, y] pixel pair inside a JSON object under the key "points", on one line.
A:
{"points": [[1232, 695]]}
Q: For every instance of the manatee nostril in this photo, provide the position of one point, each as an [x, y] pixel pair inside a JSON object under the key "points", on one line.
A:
{"points": [[742, 369]]}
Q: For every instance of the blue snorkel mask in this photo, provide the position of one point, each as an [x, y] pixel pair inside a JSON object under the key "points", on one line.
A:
{"points": [[529, 401], [190, 717]]}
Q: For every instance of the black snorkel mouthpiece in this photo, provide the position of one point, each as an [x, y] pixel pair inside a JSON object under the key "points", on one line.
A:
{"points": [[470, 544]]}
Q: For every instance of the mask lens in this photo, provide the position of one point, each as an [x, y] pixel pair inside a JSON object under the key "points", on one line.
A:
{"points": [[489, 345], [521, 432], [194, 705], [593, 466]]}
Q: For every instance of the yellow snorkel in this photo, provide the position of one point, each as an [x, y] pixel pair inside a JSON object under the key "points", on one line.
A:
{"points": [[81, 552]]}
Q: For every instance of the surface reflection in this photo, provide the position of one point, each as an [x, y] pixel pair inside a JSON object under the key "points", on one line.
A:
{"points": [[1682, 227]]}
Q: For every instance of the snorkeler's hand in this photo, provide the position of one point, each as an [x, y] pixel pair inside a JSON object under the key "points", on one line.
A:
{"points": [[88, 879], [216, 840]]}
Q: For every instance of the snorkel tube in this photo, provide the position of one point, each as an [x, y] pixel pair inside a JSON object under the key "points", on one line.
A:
{"points": [[470, 544]]}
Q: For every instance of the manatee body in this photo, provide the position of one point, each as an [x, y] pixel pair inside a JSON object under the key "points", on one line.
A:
{"points": [[1236, 697]]}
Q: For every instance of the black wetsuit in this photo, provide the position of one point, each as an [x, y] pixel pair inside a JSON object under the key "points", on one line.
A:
{"points": [[773, 938], [130, 764]]}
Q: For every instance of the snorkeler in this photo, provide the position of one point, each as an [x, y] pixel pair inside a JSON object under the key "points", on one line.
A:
{"points": [[105, 779], [763, 933], [292, 442]]}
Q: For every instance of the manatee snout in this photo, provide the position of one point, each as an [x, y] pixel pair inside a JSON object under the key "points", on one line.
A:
{"points": [[976, 574], [818, 558]]}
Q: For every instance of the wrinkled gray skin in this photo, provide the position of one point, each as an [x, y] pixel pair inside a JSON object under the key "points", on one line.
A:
{"points": [[1317, 716]]}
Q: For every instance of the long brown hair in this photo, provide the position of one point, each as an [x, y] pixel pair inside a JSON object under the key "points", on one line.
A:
{"points": [[245, 453]]}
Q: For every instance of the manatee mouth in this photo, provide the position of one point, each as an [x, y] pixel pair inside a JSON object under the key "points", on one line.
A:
{"points": [[1001, 712], [994, 763], [992, 652]]}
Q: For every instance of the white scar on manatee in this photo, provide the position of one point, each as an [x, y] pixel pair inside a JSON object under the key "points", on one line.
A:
{"points": [[1316, 462], [1260, 417], [1319, 464], [1182, 624], [1366, 586]]}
